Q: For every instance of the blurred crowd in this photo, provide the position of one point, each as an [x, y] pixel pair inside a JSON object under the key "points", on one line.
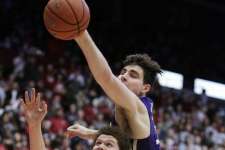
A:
{"points": [[190, 122], [185, 121], [30, 58], [183, 36], [69, 91]]}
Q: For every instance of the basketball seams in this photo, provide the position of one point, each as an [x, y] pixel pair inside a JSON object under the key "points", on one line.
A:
{"points": [[55, 14], [59, 25], [83, 26], [75, 15], [71, 36]]}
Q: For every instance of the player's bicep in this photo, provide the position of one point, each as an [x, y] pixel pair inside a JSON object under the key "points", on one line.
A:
{"points": [[140, 126]]}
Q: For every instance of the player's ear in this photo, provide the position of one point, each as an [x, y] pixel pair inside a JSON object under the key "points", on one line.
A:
{"points": [[146, 88]]}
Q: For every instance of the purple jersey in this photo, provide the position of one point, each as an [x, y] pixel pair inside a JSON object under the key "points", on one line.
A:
{"points": [[151, 142]]}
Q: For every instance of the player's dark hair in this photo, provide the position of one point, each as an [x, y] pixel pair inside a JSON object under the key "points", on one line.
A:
{"points": [[121, 137], [150, 67]]}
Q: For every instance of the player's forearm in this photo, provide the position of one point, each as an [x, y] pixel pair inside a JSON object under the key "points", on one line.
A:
{"points": [[102, 73], [91, 134], [36, 139], [96, 61]]}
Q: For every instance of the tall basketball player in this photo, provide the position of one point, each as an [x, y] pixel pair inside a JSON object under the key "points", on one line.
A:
{"points": [[127, 91]]}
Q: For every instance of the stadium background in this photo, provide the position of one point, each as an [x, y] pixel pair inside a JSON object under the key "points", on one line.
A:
{"points": [[184, 36]]}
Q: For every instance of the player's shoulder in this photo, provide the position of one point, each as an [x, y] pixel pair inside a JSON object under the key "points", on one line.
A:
{"points": [[147, 102]]}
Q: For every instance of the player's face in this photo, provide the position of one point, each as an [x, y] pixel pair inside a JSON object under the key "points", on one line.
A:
{"points": [[133, 77], [106, 142]]}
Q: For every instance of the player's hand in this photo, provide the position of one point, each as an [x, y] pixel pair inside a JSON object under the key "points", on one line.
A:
{"points": [[34, 109], [78, 130]]}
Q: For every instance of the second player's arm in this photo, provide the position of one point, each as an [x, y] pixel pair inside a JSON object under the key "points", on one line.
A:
{"points": [[81, 131], [102, 73], [36, 138]]}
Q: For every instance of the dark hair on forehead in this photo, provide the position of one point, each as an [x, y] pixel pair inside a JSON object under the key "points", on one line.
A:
{"points": [[121, 137], [150, 67]]}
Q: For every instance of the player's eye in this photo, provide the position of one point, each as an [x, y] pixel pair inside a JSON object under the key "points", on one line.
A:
{"points": [[109, 144], [98, 143], [133, 75]]}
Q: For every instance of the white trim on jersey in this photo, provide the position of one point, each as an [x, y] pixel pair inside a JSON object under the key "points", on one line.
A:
{"points": [[134, 145]]}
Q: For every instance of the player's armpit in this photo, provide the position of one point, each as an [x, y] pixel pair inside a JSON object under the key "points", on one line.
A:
{"points": [[139, 124], [121, 120]]}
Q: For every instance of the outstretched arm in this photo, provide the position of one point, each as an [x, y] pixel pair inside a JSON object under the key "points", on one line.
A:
{"points": [[102, 73], [35, 111], [81, 132], [136, 112]]}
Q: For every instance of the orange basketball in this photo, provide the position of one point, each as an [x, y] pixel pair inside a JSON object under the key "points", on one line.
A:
{"points": [[66, 19]]}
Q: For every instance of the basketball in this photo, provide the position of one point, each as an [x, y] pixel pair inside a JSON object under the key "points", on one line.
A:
{"points": [[66, 19]]}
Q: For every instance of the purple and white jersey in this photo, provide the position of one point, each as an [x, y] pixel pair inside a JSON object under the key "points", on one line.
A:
{"points": [[151, 142]]}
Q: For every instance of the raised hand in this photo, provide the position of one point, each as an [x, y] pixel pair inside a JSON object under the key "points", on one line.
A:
{"points": [[34, 109]]}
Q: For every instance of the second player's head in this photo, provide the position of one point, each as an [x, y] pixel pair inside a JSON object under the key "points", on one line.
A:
{"points": [[139, 73], [111, 138]]}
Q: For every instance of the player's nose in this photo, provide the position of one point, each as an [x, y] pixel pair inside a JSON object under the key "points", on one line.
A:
{"points": [[123, 78], [101, 147]]}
